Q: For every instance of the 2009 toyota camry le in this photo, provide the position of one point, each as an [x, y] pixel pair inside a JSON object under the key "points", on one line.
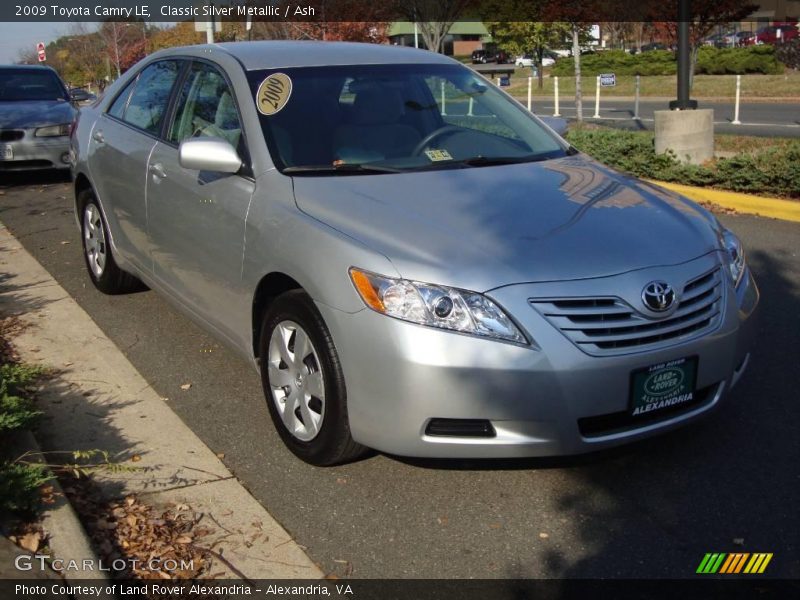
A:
{"points": [[413, 261]]}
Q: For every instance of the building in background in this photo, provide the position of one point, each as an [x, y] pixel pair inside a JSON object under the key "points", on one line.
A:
{"points": [[462, 38]]}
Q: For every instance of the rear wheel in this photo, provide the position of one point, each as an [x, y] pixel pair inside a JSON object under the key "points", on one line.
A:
{"points": [[103, 270], [303, 382]]}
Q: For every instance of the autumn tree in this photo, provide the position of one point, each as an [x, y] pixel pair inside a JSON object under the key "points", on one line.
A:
{"points": [[344, 31], [181, 34]]}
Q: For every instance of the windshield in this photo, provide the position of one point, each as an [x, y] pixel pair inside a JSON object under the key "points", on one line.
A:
{"points": [[391, 118], [29, 84]]}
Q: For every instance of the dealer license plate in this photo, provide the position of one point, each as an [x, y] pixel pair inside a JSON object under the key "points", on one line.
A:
{"points": [[663, 386]]}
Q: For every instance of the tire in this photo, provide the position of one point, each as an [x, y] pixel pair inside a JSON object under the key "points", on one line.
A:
{"points": [[103, 269], [307, 398]]}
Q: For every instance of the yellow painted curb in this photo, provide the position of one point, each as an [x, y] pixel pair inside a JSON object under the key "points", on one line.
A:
{"points": [[788, 210]]}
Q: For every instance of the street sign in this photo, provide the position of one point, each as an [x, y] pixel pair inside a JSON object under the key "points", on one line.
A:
{"points": [[40, 52], [608, 80]]}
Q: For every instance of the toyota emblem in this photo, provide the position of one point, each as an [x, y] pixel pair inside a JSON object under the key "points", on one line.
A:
{"points": [[658, 296]]}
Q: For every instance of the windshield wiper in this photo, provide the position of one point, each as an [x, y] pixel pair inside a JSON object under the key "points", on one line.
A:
{"points": [[483, 161], [488, 161], [343, 168]]}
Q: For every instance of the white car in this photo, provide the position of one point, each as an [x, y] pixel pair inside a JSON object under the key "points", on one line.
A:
{"points": [[527, 61]]}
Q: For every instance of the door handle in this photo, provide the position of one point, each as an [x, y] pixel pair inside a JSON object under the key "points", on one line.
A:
{"points": [[158, 170], [98, 137]]}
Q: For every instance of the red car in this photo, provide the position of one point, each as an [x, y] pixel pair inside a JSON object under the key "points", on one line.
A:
{"points": [[769, 34]]}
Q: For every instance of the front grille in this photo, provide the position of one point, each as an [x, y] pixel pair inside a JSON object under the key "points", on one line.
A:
{"points": [[609, 325], [625, 421], [11, 135]]}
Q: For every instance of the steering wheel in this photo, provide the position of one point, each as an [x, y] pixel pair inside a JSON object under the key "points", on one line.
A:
{"points": [[436, 133]]}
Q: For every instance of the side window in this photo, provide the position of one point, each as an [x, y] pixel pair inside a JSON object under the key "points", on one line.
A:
{"points": [[118, 107], [149, 99], [206, 107]]}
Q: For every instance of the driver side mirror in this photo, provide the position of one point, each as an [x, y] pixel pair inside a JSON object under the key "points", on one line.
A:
{"points": [[209, 154]]}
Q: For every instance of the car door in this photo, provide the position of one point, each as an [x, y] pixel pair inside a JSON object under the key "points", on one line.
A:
{"points": [[196, 219], [119, 148]]}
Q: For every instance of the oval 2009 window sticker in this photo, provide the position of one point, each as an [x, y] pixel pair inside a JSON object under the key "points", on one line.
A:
{"points": [[273, 93]]}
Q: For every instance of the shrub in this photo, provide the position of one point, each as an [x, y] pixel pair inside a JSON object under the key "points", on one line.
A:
{"points": [[772, 171], [789, 53], [19, 483], [710, 60]]}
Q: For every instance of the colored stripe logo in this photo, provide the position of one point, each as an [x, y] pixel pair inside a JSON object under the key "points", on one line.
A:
{"points": [[734, 563]]}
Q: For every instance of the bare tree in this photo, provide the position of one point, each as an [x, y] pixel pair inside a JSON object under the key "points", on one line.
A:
{"points": [[434, 18], [27, 56]]}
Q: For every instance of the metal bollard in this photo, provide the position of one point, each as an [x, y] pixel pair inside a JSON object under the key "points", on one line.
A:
{"points": [[597, 99], [530, 82], [736, 120], [556, 113], [636, 116]]}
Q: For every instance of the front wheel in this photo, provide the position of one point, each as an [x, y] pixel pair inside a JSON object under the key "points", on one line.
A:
{"points": [[303, 382]]}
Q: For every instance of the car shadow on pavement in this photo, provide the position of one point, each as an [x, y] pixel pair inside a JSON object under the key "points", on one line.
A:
{"points": [[10, 179], [726, 484]]}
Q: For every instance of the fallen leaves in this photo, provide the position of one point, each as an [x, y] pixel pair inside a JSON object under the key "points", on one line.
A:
{"points": [[137, 533], [186, 386], [30, 541]]}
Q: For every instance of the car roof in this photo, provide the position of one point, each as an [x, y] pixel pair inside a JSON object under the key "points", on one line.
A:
{"points": [[278, 54]]}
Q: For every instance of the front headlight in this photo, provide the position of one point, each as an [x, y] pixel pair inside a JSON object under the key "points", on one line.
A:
{"points": [[736, 261], [435, 305], [53, 130]]}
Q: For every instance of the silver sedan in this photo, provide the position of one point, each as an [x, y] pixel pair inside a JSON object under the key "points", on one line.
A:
{"points": [[413, 262], [36, 118]]}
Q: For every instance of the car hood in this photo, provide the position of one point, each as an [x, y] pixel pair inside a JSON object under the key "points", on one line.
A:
{"points": [[24, 115], [482, 228]]}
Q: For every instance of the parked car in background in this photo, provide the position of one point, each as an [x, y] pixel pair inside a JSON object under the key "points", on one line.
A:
{"points": [[720, 40], [418, 281], [778, 34], [529, 60], [36, 118], [490, 55], [740, 38], [82, 96], [773, 34], [482, 56]]}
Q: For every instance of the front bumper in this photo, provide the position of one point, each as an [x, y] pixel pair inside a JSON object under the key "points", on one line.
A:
{"points": [[400, 375], [32, 153]]}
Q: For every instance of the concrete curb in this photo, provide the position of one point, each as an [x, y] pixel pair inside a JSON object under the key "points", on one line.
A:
{"points": [[97, 400], [776, 208], [67, 539]]}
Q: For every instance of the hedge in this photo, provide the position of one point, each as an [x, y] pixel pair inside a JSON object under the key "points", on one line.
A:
{"points": [[773, 171], [710, 60]]}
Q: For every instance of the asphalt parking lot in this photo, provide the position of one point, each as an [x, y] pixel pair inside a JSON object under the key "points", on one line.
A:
{"points": [[729, 483]]}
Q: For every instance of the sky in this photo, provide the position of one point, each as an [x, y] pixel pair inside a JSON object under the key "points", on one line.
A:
{"points": [[14, 36]]}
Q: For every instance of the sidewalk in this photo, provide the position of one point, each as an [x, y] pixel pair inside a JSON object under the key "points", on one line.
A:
{"points": [[97, 400]]}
